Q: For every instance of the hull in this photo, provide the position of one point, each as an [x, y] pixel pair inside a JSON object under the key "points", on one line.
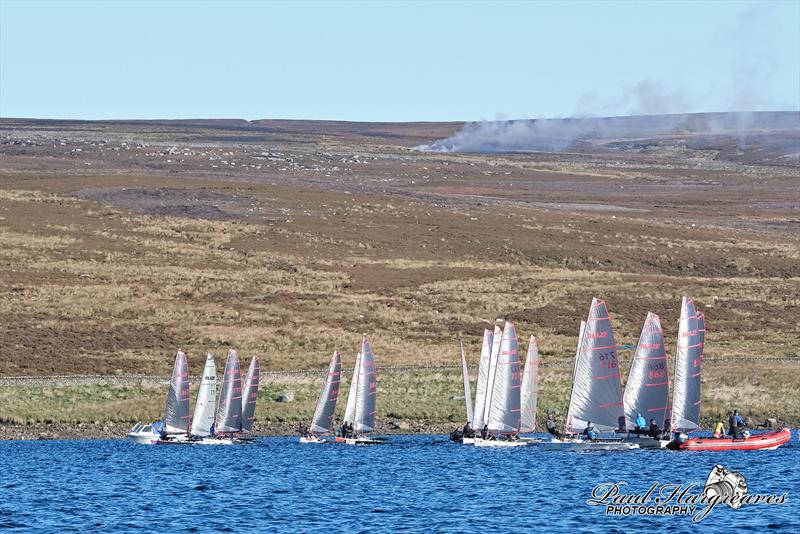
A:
{"points": [[363, 441], [468, 441], [648, 443], [311, 439], [143, 438], [767, 441], [580, 445], [498, 443]]}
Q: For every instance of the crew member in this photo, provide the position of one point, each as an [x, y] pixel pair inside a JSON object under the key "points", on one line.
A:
{"points": [[641, 424], [734, 422], [589, 431], [719, 429], [655, 431]]}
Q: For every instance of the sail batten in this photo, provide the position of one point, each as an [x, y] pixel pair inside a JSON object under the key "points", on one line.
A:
{"points": [[504, 408], [530, 388], [250, 395], [647, 388], [322, 422], [229, 407], [467, 390], [176, 411], [366, 390], [688, 361], [596, 388], [483, 378], [204, 410]]}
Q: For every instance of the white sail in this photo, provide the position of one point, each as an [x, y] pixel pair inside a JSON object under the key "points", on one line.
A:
{"points": [[176, 411], [530, 388], [467, 391], [350, 408], [496, 339], [205, 408], [504, 408], [596, 388], [229, 406], [647, 388], [688, 358], [483, 378], [250, 395], [366, 391], [322, 421]]}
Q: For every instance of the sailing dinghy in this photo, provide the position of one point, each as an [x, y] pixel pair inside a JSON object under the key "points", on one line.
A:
{"points": [[174, 428], [647, 389], [228, 422], [322, 421], [529, 392], [365, 385], [596, 395], [465, 435], [482, 385], [503, 419], [205, 406]]}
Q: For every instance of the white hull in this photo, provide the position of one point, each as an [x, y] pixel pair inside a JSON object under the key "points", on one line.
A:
{"points": [[363, 441], [580, 445], [143, 438], [648, 443], [468, 441], [311, 439], [498, 443]]}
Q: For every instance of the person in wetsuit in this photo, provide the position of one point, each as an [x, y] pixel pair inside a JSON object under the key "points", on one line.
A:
{"points": [[589, 431], [552, 428], [655, 431], [485, 431], [467, 431], [735, 424]]}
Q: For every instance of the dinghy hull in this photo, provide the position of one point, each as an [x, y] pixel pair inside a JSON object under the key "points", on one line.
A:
{"points": [[499, 443], [767, 442], [311, 439], [580, 445]]}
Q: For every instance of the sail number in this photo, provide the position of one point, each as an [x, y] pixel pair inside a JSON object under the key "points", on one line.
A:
{"points": [[656, 370], [608, 360]]}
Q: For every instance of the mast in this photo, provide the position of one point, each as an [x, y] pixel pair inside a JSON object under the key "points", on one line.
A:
{"points": [[206, 399], [688, 360], [322, 421], [250, 395], [530, 388], [596, 387], [483, 378], [504, 409], [647, 388], [574, 368], [176, 411], [229, 407], [467, 391]]}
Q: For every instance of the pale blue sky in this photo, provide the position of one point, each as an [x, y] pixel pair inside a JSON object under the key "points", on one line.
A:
{"points": [[395, 61]]}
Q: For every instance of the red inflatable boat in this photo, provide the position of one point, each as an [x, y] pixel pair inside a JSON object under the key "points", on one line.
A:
{"points": [[767, 441]]}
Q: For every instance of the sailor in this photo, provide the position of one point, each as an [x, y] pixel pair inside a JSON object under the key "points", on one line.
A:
{"points": [[163, 434], [467, 431], [667, 429], [655, 431], [551, 426], [589, 431], [302, 429], [734, 422], [485, 431], [640, 424], [719, 429]]}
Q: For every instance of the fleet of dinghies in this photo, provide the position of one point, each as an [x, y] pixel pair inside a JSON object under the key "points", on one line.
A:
{"points": [[223, 420], [600, 415]]}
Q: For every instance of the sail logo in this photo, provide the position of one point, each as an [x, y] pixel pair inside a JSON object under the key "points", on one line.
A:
{"points": [[596, 335], [722, 487]]}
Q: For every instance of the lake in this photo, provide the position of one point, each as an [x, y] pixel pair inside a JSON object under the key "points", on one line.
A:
{"points": [[412, 483]]}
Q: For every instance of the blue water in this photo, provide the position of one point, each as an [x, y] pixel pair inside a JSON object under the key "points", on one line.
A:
{"points": [[413, 484]]}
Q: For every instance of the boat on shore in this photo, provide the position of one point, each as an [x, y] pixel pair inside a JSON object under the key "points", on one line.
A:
{"points": [[322, 420], [766, 441]]}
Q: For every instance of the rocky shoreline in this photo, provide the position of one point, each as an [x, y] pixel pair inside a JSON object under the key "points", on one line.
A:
{"points": [[111, 430]]}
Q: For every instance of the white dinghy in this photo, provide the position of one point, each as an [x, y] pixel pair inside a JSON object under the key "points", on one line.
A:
{"points": [[366, 388], [481, 389], [503, 420], [205, 406], [596, 395], [174, 428], [322, 421], [647, 388], [530, 392]]}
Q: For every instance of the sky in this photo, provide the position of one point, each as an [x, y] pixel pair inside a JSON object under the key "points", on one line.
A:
{"points": [[395, 61]]}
